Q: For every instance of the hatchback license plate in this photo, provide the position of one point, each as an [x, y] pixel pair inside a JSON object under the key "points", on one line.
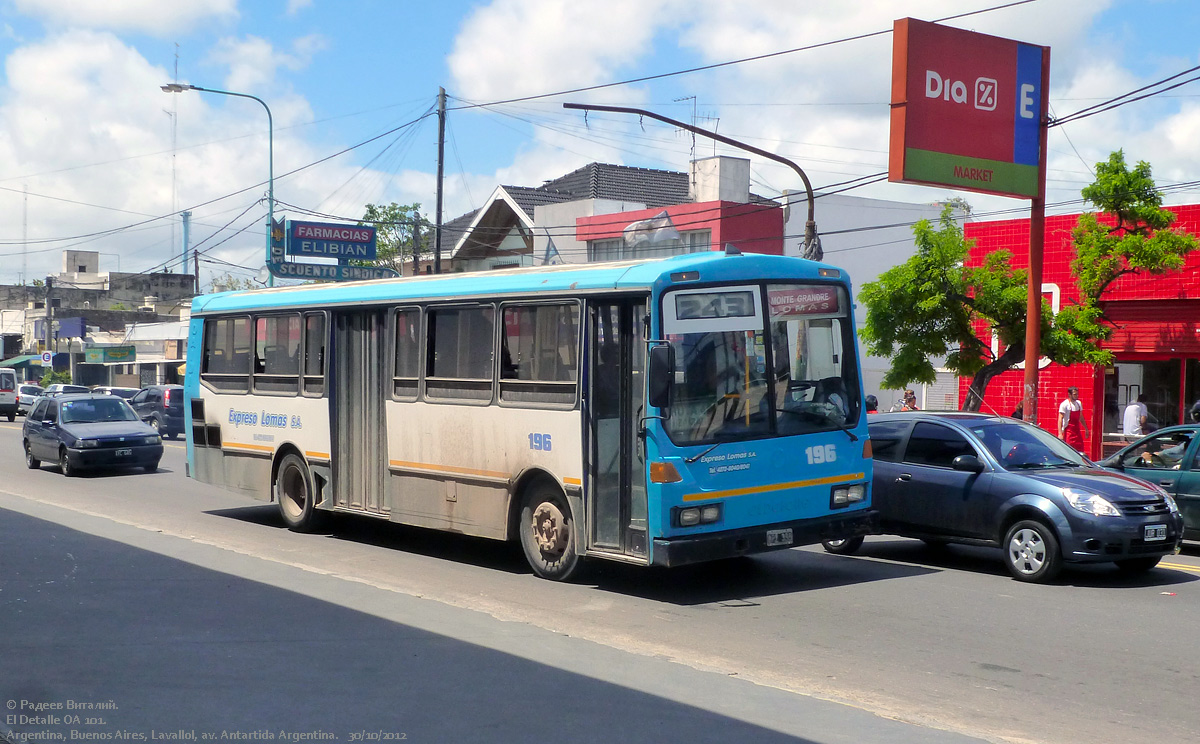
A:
{"points": [[779, 537], [124, 452], [1155, 532]]}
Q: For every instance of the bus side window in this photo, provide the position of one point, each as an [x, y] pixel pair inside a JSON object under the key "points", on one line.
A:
{"points": [[226, 354], [459, 348], [314, 354], [406, 371], [539, 353], [277, 354]]}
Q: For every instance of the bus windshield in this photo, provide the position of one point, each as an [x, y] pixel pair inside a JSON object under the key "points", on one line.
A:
{"points": [[724, 345]]}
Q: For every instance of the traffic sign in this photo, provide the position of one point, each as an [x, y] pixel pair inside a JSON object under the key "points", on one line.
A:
{"points": [[47, 357]]}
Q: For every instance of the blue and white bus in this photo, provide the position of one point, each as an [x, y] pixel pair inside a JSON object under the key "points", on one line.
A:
{"points": [[655, 412]]}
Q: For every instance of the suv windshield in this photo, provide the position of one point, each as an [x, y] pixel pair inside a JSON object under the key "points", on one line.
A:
{"points": [[1024, 447], [93, 410], [726, 339]]}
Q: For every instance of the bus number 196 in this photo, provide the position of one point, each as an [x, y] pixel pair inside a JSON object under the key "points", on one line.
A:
{"points": [[821, 454], [539, 442]]}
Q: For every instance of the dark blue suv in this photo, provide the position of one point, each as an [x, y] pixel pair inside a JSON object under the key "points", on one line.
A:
{"points": [[161, 406], [988, 480]]}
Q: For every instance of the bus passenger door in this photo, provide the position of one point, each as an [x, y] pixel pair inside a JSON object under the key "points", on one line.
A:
{"points": [[359, 431], [616, 493]]}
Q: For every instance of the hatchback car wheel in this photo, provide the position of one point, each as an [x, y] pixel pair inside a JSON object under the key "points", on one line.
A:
{"points": [[64, 464], [1031, 552], [31, 462]]}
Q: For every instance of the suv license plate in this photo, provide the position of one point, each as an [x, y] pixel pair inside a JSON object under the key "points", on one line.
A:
{"points": [[1155, 532], [779, 537], [124, 452]]}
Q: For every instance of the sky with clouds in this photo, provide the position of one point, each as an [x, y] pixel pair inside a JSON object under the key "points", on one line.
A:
{"points": [[94, 156]]}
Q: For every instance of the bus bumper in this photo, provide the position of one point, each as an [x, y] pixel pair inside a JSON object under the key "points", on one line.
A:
{"points": [[711, 546]]}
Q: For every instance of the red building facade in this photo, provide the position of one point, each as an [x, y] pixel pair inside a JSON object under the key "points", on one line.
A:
{"points": [[752, 227], [1156, 341]]}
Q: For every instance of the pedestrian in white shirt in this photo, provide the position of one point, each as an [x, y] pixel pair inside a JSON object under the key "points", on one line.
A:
{"points": [[1134, 422]]}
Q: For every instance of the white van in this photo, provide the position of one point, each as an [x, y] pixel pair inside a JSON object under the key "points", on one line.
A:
{"points": [[8, 393]]}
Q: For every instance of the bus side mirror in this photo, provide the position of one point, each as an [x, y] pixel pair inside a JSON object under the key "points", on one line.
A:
{"points": [[661, 375]]}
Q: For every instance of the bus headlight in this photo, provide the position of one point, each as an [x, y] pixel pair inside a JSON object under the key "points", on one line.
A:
{"points": [[847, 495], [693, 515]]}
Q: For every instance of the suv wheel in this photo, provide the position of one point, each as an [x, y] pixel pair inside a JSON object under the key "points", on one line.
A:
{"points": [[1031, 552]]}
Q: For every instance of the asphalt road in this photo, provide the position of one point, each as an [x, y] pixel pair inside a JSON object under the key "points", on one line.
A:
{"points": [[190, 608]]}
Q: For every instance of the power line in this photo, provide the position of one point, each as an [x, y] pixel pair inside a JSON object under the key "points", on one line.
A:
{"points": [[729, 63]]}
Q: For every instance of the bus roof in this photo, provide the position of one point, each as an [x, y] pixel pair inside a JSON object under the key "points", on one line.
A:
{"points": [[561, 279]]}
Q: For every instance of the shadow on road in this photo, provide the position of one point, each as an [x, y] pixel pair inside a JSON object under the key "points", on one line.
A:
{"points": [[171, 646], [991, 561], [733, 580]]}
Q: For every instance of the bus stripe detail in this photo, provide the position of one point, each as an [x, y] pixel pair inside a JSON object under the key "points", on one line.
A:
{"points": [[249, 447], [447, 469], [316, 455], [827, 481], [573, 481]]}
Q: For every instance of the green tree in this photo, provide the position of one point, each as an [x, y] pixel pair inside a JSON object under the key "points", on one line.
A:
{"points": [[931, 305], [393, 225], [229, 283], [52, 378]]}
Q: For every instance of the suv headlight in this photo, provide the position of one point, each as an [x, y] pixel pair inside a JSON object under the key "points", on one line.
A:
{"points": [[1090, 503]]}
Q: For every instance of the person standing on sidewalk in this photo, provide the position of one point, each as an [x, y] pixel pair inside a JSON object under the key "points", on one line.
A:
{"points": [[1071, 426]]}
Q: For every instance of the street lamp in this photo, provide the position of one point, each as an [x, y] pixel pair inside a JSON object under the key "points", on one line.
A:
{"points": [[180, 87]]}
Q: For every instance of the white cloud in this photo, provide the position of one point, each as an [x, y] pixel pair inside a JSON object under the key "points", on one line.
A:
{"points": [[517, 47], [150, 16], [83, 121], [253, 61], [295, 6]]}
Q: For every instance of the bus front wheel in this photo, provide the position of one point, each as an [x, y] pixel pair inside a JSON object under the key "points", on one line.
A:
{"points": [[294, 493], [547, 532]]}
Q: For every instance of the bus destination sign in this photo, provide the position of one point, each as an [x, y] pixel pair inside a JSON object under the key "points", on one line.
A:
{"points": [[329, 240]]}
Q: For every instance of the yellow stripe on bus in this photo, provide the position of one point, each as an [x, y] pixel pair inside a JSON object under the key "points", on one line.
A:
{"points": [[251, 447], [447, 469], [826, 481], [317, 455]]}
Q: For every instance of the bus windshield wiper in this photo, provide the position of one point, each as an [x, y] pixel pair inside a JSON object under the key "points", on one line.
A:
{"points": [[693, 458]]}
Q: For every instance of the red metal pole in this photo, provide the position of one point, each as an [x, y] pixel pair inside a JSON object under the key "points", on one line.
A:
{"points": [[1037, 239]]}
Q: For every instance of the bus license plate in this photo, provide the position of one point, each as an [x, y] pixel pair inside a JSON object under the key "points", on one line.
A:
{"points": [[1155, 532], [779, 537], [124, 452]]}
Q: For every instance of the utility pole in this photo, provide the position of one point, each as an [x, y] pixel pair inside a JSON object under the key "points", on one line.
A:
{"points": [[49, 321], [437, 229], [196, 269], [416, 243], [186, 218]]}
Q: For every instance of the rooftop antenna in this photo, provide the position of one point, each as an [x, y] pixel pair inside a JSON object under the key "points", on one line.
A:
{"points": [[693, 100]]}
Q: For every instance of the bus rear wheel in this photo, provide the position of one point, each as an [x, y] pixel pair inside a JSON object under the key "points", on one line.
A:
{"points": [[294, 493], [547, 532]]}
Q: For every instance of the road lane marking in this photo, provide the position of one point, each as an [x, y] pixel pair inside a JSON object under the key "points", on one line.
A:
{"points": [[1181, 567]]}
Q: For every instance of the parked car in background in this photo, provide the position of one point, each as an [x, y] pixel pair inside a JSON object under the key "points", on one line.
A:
{"points": [[161, 406], [59, 388], [85, 431], [1169, 458], [990, 480], [8, 394], [121, 392], [27, 394]]}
